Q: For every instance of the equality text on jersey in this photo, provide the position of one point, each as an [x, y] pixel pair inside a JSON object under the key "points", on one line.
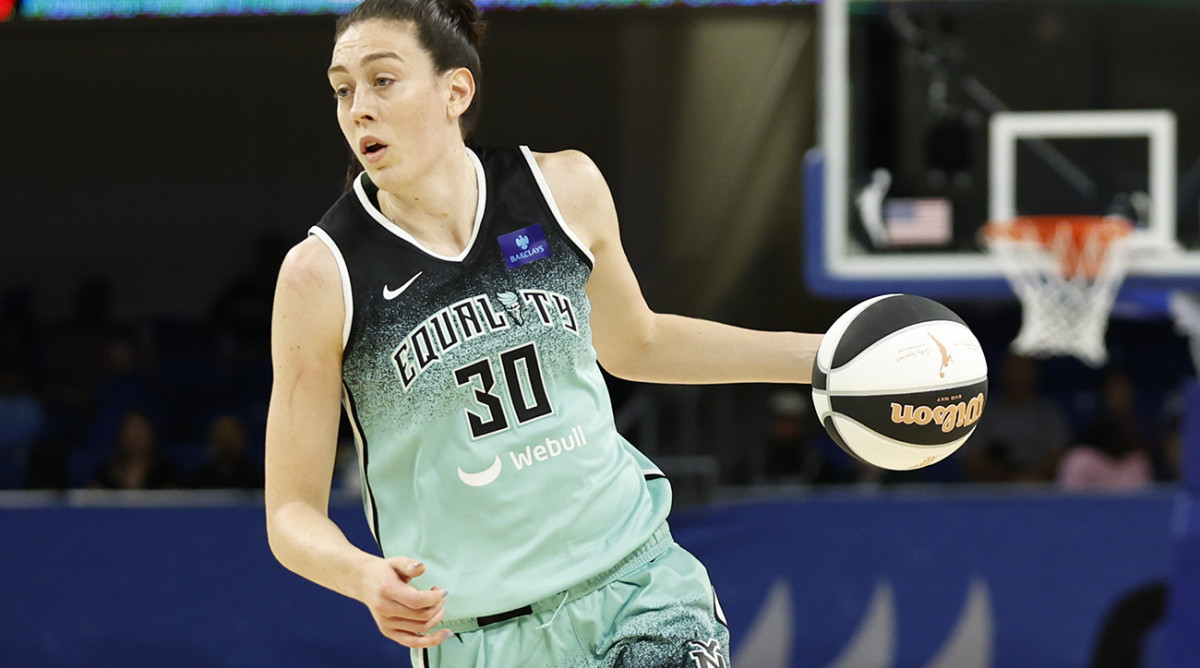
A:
{"points": [[450, 327]]}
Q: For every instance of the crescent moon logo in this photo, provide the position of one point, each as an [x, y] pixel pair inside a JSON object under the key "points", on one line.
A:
{"points": [[484, 477]]}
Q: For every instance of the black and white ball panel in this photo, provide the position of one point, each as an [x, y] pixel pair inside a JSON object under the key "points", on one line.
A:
{"points": [[899, 381]]}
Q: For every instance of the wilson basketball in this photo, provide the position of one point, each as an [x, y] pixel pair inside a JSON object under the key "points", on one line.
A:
{"points": [[899, 381]]}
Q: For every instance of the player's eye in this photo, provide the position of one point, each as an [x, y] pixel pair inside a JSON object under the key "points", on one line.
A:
{"points": [[381, 82], [341, 92]]}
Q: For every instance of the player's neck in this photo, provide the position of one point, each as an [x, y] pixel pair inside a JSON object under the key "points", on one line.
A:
{"points": [[438, 209]]}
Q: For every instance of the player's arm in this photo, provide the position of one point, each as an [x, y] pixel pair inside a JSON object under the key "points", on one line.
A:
{"points": [[302, 426], [634, 342]]}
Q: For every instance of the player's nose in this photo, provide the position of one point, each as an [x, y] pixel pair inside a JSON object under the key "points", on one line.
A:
{"points": [[363, 107]]}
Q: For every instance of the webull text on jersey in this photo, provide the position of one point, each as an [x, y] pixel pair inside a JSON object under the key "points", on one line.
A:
{"points": [[553, 447]]}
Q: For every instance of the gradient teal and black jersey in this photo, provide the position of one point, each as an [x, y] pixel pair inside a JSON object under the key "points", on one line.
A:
{"points": [[484, 427]]}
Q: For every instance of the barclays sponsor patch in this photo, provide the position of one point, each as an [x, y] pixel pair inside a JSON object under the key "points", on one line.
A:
{"points": [[524, 246]]}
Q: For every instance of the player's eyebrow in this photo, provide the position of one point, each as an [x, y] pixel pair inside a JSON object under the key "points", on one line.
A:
{"points": [[380, 55]]}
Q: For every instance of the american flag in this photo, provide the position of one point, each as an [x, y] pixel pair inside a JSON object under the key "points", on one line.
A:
{"points": [[918, 221]]}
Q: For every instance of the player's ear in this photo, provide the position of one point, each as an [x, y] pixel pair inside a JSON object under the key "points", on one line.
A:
{"points": [[460, 88]]}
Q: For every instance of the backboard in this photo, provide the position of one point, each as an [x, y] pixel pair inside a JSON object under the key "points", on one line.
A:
{"points": [[940, 115]]}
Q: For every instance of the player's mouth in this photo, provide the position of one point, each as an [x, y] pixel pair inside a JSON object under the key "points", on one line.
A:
{"points": [[371, 149]]}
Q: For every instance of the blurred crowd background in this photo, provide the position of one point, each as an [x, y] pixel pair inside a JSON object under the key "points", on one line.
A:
{"points": [[94, 400]]}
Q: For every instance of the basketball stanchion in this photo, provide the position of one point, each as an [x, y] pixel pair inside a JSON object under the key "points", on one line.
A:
{"points": [[899, 381], [1066, 272]]}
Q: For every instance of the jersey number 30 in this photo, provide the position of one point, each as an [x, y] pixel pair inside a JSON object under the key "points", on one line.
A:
{"points": [[526, 393]]}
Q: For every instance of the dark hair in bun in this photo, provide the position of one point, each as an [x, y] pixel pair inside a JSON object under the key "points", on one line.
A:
{"points": [[450, 30]]}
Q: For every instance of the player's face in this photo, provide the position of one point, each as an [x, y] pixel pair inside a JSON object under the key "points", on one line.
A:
{"points": [[393, 107]]}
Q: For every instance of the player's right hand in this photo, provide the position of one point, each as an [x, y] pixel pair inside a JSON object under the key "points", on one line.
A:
{"points": [[402, 612]]}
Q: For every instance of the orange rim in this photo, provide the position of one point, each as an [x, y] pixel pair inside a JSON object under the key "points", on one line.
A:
{"points": [[1080, 242]]}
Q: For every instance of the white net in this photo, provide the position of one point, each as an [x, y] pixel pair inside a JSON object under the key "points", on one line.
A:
{"points": [[1066, 274]]}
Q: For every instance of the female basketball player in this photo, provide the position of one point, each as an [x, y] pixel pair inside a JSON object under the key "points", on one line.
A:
{"points": [[456, 302]]}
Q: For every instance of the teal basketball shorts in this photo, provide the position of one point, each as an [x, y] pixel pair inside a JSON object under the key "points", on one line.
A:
{"points": [[655, 609]]}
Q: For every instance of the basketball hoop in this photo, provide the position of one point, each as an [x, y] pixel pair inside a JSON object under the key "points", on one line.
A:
{"points": [[1066, 271]]}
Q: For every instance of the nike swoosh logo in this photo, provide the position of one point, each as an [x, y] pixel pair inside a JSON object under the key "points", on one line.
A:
{"points": [[484, 477], [392, 294]]}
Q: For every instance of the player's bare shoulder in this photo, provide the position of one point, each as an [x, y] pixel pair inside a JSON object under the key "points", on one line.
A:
{"points": [[308, 265], [581, 192], [309, 288]]}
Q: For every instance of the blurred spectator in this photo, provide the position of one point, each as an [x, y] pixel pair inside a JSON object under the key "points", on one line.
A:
{"points": [[22, 418], [135, 461], [1168, 453], [76, 346], [75, 364], [21, 336], [227, 464], [790, 451], [241, 314], [1113, 451], [127, 378], [125, 387], [1022, 433]]}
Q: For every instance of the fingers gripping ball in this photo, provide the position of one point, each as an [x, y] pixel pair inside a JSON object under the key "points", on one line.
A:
{"points": [[899, 382]]}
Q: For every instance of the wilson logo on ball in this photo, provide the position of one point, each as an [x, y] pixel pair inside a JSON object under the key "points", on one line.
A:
{"points": [[899, 381], [949, 418]]}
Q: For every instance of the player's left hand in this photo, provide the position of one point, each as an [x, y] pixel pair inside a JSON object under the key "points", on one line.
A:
{"points": [[402, 612]]}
